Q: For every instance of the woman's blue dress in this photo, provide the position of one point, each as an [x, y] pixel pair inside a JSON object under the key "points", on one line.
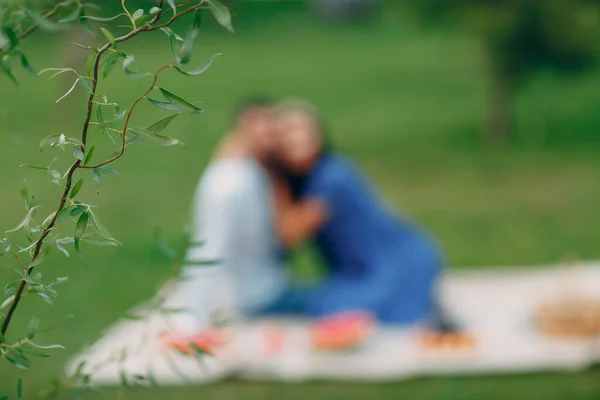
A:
{"points": [[376, 260]]}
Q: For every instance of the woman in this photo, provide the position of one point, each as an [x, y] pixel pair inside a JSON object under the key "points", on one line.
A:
{"points": [[377, 262]]}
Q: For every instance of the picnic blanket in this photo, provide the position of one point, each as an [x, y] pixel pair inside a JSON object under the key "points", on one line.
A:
{"points": [[495, 305]]}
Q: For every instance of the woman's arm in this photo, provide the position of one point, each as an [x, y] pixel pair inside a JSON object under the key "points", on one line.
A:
{"points": [[296, 221]]}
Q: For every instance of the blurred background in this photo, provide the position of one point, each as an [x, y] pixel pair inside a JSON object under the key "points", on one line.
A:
{"points": [[479, 119]]}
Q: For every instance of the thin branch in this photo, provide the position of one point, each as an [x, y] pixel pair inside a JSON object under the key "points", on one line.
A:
{"points": [[18, 260], [157, 16], [38, 248], [175, 17], [77, 163], [35, 26], [128, 13], [124, 134]]}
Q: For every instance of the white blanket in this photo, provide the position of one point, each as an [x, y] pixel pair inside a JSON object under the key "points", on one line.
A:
{"points": [[495, 305]]}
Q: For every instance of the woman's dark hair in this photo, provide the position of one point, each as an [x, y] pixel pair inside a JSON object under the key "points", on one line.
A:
{"points": [[295, 181]]}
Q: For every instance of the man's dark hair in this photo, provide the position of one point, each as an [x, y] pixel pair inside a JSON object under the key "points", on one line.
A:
{"points": [[248, 103]]}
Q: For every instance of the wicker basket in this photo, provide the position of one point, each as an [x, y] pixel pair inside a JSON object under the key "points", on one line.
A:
{"points": [[573, 317]]}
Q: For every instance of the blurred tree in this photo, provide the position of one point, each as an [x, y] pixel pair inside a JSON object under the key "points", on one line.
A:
{"points": [[345, 9], [519, 37]]}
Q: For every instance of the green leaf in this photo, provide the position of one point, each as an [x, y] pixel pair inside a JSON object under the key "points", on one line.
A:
{"points": [[188, 48], [76, 189], [13, 38], [25, 222], [123, 376], [46, 346], [32, 328], [39, 259], [83, 20], [169, 32], [89, 154], [110, 61], [95, 242], [173, 6], [164, 105], [103, 19], [86, 84], [108, 170], [71, 17], [60, 71], [78, 153], [188, 45], [175, 49], [4, 246], [5, 66], [89, 64], [80, 227], [63, 214], [16, 357], [61, 242], [11, 288], [101, 230], [198, 19], [26, 66], [160, 126], [25, 194], [58, 281], [118, 118], [49, 218], [51, 140], [75, 211], [7, 302], [132, 74], [154, 10], [182, 104], [58, 140], [44, 23], [69, 91], [156, 138], [20, 389], [97, 178], [109, 36], [137, 14], [222, 14], [200, 70], [46, 298]]}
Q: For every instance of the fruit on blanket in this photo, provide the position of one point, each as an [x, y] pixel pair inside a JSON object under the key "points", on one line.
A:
{"points": [[447, 340], [572, 317], [204, 342], [342, 331]]}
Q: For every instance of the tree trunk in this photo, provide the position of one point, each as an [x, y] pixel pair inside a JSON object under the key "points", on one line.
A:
{"points": [[498, 121]]}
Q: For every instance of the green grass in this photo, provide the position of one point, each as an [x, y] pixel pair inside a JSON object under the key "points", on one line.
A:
{"points": [[406, 103]]}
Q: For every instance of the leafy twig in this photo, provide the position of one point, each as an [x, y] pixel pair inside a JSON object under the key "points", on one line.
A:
{"points": [[84, 135], [35, 25], [126, 126]]}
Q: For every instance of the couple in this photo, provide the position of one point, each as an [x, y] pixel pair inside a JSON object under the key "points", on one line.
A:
{"points": [[275, 183]]}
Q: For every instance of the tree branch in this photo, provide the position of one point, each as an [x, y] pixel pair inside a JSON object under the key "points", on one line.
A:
{"points": [[84, 135], [35, 26], [124, 134]]}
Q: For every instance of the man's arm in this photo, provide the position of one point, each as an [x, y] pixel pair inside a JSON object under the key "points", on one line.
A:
{"points": [[296, 221]]}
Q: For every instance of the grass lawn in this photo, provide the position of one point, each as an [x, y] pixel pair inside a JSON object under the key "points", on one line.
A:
{"points": [[406, 103]]}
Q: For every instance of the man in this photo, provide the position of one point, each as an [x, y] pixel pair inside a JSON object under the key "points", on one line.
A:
{"points": [[232, 264]]}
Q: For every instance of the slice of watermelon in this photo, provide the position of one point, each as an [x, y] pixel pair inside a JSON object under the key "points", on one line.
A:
{"points": [[342, 331]]}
